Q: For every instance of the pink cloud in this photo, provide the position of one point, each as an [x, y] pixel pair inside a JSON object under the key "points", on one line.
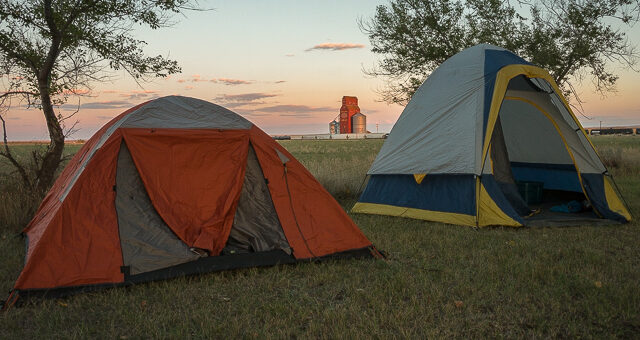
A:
{"points": [[197, 78], [228, 81], [335, 46], [78, 92], [138, 94]]}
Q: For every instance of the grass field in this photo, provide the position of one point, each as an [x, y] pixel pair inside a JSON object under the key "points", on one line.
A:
{"points": [[439, 281]]}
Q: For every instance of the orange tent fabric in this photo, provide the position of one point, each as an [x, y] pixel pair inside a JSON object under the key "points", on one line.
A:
{"points": [[76, 242], [191, 157], [194, 179]]}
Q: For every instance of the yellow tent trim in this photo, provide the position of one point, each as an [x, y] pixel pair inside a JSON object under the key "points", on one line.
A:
{"points": [[613, 200], [490, 214], [391, 210], [419, 177]]}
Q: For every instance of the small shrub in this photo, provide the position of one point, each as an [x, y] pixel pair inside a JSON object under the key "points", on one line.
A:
{"points": [[621, 160]]}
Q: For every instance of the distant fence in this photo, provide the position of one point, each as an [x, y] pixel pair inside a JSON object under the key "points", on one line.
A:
{"points": [[614, 131], [340, 136]]}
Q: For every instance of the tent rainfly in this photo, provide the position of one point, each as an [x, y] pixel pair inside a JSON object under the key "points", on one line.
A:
{"points": [[179, 186], [484, 122]]}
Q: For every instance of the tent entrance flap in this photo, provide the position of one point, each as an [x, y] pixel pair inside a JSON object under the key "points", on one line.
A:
{"points": [[147, 242], [256, 227], [502, 171]]}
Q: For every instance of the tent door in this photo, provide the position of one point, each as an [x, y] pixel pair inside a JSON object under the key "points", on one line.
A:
{"points": [[147, 242], [256, 226], [502, 171]]}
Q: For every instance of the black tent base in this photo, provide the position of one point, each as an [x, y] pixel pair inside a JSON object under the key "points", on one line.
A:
{"points": [[551, 219], [200, 266], [547, 218]]}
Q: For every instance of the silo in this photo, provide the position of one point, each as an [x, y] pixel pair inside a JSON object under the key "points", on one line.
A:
{"points": [[334, 127], [348, 109], [359, 123]]}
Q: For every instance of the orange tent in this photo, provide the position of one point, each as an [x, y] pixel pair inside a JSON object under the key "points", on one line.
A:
{"points": [[179, 186]]}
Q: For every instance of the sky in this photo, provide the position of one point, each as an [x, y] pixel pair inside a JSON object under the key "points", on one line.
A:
{"points": [[282, 64]]}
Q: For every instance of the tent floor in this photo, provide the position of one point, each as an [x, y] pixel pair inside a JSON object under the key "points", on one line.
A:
{"points": [[547, 218]]}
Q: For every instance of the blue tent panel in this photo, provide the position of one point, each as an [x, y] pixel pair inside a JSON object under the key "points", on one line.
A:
{"points": [[490, 184], [554, 176], [594, 186], [446, 193]]}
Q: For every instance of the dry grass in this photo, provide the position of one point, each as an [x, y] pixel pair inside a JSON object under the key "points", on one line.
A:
{"points": [[340, 166], [625, 160], [441, 281]]}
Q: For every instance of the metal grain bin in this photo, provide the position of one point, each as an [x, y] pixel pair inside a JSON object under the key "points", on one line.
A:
{"points": [[334, 127], [359, 123]]}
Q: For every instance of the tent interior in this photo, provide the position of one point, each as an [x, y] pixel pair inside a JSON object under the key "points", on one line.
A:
{"points": [[538, 149]]}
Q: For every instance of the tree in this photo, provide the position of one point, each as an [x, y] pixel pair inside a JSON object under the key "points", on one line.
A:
{"points": [[50, 50], [573, 39]]}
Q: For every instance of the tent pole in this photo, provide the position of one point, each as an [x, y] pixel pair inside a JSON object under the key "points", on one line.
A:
{"points": [[477, 200], [606, 173]]}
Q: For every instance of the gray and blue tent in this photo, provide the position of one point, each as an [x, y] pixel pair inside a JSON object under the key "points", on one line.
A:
{"points": [[484, 121]]}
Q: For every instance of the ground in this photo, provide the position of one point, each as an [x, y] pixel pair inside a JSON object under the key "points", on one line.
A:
{"points": [[439, 281]]}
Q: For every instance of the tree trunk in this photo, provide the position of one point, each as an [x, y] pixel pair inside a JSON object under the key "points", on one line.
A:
{"points": [[53, 156]]}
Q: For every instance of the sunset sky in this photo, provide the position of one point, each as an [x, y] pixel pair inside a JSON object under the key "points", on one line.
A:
{"points": [[284, 65]]}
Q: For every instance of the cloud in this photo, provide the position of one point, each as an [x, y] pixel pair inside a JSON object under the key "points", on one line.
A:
{"points": [[296, 115], [197, 78], [194, 79], [239, 104], [335, 46], [289, 55], [279, 81], [79, 92], [229, 81], [295, 109], [188, 87], [110, 91], [298, 111], [104, 117], [113, 104], [14, 118], [252, 114], [242, 99], [144, 94]]}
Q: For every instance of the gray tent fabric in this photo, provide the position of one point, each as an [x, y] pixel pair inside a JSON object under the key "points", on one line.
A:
{"points": [[147, 242], [256, 226], [502, 171], [178, 112], [284, 159], [440, 129]]}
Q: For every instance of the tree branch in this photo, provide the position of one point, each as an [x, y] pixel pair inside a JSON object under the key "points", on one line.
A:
{"points": [[13, 93], [9, 156]]}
